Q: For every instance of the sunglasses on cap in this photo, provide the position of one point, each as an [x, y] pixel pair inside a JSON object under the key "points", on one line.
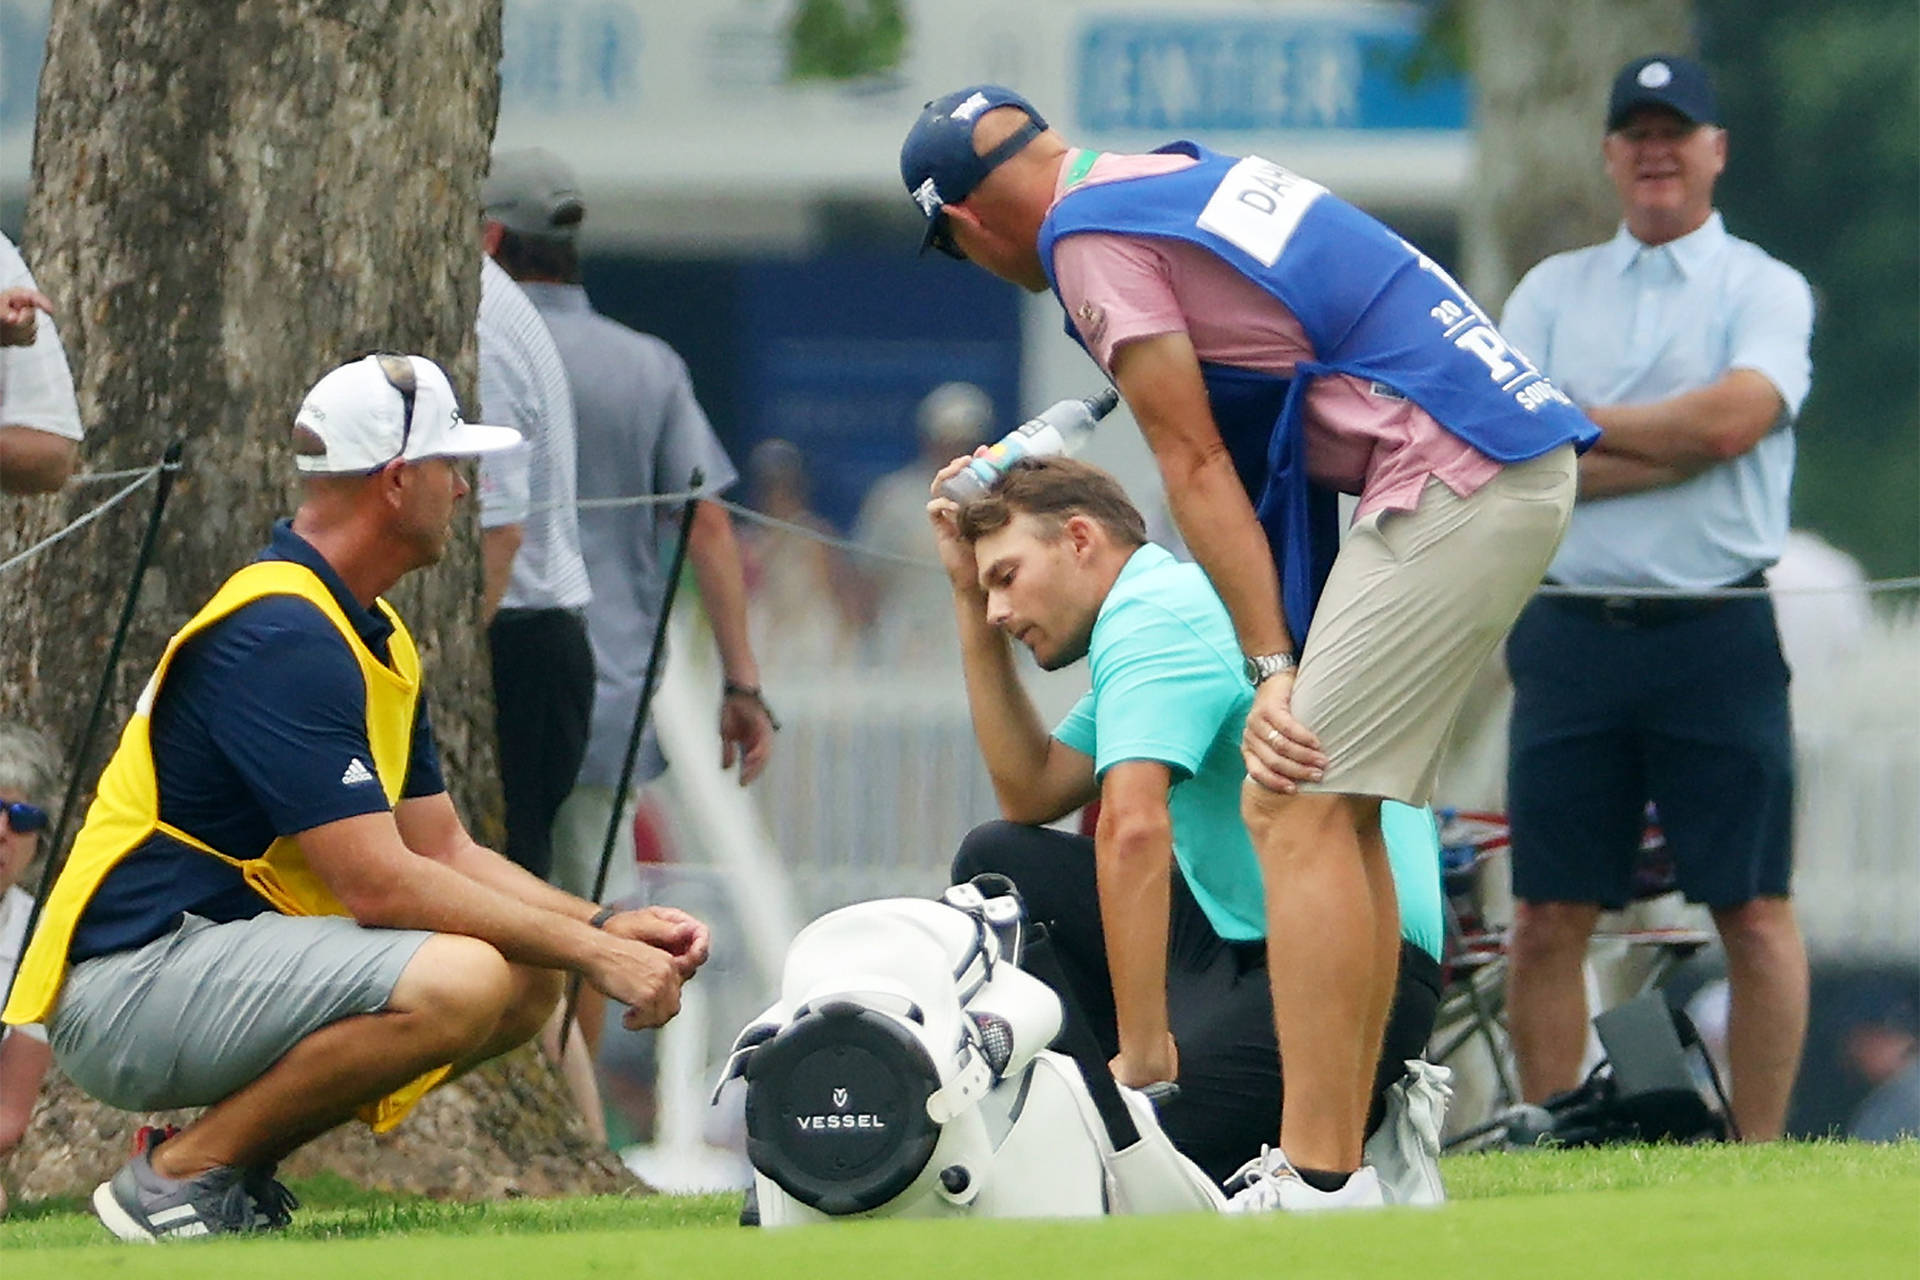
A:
{"points": [[398, 371], [23, 817]]}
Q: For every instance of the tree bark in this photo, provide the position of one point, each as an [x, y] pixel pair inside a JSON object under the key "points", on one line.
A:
{"points": [[1541, 73], [230, 198], [505, 1131]]}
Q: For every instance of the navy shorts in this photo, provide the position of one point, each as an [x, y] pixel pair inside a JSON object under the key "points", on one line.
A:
{"points": [[1680, 703]]}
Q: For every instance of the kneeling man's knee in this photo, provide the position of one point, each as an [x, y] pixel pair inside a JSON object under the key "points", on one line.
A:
{"points": [[984, 849]]}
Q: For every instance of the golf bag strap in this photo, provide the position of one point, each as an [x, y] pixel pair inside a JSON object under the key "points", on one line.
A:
{"points": [[1077, 1042]]}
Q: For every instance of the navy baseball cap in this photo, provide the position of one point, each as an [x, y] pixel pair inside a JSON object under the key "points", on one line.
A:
{"points": [[938, 163], [1663, 80]]}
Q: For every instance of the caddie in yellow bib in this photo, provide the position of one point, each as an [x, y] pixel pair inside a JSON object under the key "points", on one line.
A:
{"points": [[273, 910]]}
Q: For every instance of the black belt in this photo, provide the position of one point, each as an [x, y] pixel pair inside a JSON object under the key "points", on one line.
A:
{"points": [[518, 614], [1651, 611]]}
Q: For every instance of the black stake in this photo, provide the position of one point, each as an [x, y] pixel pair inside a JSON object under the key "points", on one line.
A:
{"points": [[77, 758], [638, 732]]}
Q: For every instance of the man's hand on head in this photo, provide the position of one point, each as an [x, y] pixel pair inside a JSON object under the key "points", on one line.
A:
{"points": [[956, 554]]}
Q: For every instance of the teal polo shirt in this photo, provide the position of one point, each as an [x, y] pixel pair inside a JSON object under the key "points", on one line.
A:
{"points": [[1169, 685]]}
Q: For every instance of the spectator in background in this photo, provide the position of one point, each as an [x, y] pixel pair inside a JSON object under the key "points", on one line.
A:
{"points": [[39, 416], [1884, 1050], [28, 767], [804, 605], [640, 432], [1690, 349], [910, 600], [536, 581], [536, 592]]}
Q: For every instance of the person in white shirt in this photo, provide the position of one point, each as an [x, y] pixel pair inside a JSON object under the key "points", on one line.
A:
{"points": [[39, 415]]}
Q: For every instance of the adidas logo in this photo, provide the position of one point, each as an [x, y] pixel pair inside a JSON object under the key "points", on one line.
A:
{"points": [[357, 773]]}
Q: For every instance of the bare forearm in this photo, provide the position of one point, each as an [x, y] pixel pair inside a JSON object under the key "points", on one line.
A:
{"points": [[1134, 859], [1013, 741], [483, 866], [23, 1065], [723, 590], [1604, 474], [498, 546], [35, 461], [1696, 429], [433, 895], [1161, 380], [1217, 521]]}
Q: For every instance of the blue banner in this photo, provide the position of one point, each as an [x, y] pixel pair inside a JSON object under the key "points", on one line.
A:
{"points": [[1184, 76]]}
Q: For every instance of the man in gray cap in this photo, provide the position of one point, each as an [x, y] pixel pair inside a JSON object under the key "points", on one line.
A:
{"points": [[537, 586], [1690, 349], [640, 432]]}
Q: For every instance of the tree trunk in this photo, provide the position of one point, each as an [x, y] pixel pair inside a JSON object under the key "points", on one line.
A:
{"points": [[1541, 73], [230, 198]]}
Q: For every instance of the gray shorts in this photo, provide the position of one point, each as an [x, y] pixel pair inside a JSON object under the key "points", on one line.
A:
{"points": [[195, 1015]]}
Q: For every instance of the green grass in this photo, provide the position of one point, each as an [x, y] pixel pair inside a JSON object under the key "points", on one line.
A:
{"points": [[1619, 1214]]}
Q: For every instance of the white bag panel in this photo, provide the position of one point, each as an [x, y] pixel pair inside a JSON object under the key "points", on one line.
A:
{"points": [[1050, 1164], [1152, 1176], [1405, 1149]]}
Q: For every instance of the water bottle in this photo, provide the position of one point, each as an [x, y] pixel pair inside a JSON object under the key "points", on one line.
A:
{"points": [[1063, 428]]}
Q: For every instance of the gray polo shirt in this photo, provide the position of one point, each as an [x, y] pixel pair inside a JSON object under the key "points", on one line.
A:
{"points": [[523, 385], [640, 432], [1627, 323]]}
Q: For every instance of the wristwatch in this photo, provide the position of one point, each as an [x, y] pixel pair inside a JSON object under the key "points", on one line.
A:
{"points": [[1267, 665]]}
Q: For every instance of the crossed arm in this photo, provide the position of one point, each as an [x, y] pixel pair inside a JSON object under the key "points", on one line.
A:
{"points": [[1654, 445]]}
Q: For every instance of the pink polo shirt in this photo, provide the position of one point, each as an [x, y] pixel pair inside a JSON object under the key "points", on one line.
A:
{"points": [[1119, 289]]}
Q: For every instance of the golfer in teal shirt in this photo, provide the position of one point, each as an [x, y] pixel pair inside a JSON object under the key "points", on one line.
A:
{"points": [[1159, 919]]}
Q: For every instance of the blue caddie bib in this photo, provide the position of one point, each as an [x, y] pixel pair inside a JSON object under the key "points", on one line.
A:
{"points": [[1371, 305]]}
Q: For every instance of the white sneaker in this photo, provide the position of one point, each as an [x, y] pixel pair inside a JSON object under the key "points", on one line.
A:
{"points": [[1269, 1184]]}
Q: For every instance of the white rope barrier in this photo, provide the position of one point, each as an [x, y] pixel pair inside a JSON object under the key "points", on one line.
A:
{"points": [[143, 476]]}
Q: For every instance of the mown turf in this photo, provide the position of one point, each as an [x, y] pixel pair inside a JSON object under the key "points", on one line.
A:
{"points": [[1794, 1210]]}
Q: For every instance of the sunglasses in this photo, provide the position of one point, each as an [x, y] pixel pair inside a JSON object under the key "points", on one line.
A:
{"points": [[398, 371], [23, 817], [1015, 142]]}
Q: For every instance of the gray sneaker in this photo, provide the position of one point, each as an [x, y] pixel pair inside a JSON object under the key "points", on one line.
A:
{"points": [[138, 1204]]}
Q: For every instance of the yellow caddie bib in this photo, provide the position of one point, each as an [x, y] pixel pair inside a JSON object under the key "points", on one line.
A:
{"points": [[126, 809]]}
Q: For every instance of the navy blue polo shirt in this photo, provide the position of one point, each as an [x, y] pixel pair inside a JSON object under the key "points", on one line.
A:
{"points": [[256, 734]]}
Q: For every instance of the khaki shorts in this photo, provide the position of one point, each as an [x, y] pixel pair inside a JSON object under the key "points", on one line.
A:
{"points": [[1415, 603]]}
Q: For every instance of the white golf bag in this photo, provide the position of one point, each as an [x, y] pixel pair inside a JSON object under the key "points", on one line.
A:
{"points": [[904, 1073]]}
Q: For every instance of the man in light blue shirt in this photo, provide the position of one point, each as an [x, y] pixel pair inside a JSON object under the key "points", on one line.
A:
{"points": [[1159, 921], [1689, 348]]}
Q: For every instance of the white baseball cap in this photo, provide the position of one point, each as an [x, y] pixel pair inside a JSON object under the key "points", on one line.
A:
{"points": [[385, 408]]}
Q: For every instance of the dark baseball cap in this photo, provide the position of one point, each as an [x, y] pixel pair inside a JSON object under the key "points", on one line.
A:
{"points": [[938, 163], [1663, 80], [532, 192]]}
